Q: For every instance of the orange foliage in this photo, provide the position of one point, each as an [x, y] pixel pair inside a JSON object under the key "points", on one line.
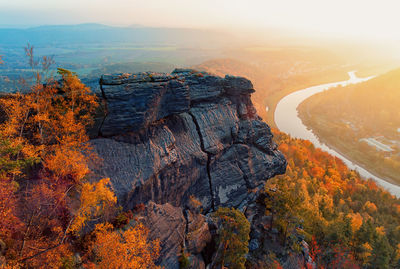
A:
{"points": [[124, 249], [96, 200], [53, 258], [335, 205], [46, 125], [42, 238], [9, 222], [370, 207], [317, 172], [380, 230], [356, 221], [398, 251], [49, 123]]}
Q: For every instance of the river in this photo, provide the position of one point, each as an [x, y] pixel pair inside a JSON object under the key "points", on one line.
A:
{"points": [[287, 120]]}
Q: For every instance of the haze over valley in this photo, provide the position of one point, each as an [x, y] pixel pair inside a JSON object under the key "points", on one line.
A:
{"points": [[179, 134]]}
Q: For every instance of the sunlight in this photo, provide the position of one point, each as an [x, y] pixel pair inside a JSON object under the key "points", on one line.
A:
{"points": [[341, 18], [199, 134]]}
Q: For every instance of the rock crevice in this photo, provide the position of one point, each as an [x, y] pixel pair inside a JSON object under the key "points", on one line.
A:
{"points": [[209, 155], [167, 137]]}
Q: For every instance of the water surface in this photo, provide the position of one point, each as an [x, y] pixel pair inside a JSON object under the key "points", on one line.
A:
{"points": [[288, 121]]}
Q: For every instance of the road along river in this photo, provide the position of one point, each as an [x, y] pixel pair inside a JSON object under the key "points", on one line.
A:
{"points": [[288, 121]]}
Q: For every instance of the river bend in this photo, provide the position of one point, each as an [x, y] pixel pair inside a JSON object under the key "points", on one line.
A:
{"points": [[288, 121]]}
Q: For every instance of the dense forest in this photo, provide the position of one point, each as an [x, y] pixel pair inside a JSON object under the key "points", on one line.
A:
{"points": [[348, 222], [46, 199], [365, 115]]}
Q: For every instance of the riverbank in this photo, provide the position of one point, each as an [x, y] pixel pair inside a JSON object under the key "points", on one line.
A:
{"points": [[310, 80], [288, 121], [343, 149], [347, 145], [272, 100]]}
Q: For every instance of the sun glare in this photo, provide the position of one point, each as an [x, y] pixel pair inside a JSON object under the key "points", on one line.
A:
{"points": [[340, 18]]}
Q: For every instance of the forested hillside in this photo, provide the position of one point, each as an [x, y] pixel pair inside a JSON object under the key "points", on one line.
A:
{"points": [[348, 222], [46, 199]]}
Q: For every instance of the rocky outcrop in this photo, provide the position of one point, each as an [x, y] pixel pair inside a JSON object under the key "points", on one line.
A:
{"points": [[166, 137], [167, 224], [179, 231]]}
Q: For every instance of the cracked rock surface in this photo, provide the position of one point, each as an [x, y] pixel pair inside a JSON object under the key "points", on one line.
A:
{"points": [[166, 137]]}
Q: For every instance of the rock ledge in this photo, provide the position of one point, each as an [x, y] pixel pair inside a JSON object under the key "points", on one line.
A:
{"points": [[166, 137]]}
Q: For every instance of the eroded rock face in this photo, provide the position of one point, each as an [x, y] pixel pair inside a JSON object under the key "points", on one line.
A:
{"points": [[167, 224], [166, 137], [178, 231]]}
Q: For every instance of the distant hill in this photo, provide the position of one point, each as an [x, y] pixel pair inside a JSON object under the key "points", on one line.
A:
{"points": [[132, 67], [98, 33]]}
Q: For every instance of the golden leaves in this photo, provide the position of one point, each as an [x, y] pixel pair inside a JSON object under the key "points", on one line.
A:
{"points": [[356, 221], [97, 199], [125, 249]]}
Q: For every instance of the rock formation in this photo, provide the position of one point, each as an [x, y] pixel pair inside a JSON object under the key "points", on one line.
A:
{"points": [[165, 137], [168, 138], [178, 231]]}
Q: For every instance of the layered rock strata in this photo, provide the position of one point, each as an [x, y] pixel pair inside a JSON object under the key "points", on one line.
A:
{"points": [[167, 137]]}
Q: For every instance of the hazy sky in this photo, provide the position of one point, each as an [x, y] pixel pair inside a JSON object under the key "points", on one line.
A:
{"points": [[367, 18]]}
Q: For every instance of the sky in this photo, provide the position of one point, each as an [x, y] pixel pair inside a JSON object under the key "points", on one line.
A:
{"points": [[374, 19]]}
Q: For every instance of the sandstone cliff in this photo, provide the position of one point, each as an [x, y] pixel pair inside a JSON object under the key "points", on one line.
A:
{"points": [[166, 137]]}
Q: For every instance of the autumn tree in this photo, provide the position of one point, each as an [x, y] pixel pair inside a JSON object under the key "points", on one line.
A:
{"points": [[124, 249], [44, 155], [233, 238], [283, 206], [49, 122], [97, 200], [353, 221]]}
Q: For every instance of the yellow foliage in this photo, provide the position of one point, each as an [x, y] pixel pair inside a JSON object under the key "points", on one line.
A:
{"points": [[367, 246], [366, 252], [67, 162], [380, 230], [96, 199], [356, 221], [370, 207], [398, 251], [128, 249], [50, 126]]}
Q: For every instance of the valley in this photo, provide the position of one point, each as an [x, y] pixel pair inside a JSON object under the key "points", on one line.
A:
{"points": [[367, 116], [148, 147]]}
